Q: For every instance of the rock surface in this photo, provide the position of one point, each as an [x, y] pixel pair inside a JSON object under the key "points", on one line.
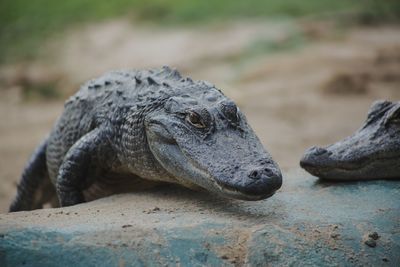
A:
{"points": [[308, 222]]}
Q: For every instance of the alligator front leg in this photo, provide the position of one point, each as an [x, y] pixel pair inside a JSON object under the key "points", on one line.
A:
{"points": [[78, 164]]}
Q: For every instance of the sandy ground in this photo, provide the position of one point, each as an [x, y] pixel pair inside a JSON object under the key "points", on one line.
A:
{"points": [[314, 94]]}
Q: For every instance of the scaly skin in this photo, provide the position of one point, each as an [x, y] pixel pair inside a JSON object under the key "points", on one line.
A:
{"points": [[132, 128], [373, 152]]}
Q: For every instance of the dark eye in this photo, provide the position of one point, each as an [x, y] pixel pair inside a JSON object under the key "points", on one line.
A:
{"points": [[395, 120], [379, 110], [395, 116], [195, 119], [230, 111]]}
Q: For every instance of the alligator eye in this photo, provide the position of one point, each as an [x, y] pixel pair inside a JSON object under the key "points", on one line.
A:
{"points": [[194, 119], [231, 111], [396, 121], [393, 116]]}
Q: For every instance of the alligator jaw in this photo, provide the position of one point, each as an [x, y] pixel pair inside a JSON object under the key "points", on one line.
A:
{"points": [[236, 194], [353, 170], [229, 191]]}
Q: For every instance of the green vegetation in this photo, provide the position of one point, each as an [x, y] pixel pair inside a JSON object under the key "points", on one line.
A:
{"points": [[25, 24], [295, 40], [40, 91], [292, 41]]}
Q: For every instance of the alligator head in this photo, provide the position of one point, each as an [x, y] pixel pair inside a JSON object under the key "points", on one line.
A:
{"points": [[373, 152], [203, 139]]}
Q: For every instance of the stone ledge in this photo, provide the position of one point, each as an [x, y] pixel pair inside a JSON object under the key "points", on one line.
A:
{"points": [[306, 223]]}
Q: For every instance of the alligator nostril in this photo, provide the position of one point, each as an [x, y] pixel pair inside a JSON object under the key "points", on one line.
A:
{"points": [[259, 173], [254, 175], [268, 172], [319, 151]]}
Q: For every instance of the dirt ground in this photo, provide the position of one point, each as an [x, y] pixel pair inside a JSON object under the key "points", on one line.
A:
{"points": [[309, 94]]}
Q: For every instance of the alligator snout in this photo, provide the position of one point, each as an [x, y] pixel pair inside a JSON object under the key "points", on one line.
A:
{"points": [[253, 181], [259, 173], [318, 161], [262, 180], [315, 156]]}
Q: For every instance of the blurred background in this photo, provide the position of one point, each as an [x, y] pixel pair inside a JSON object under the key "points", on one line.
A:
{"points": [[304, 72]]}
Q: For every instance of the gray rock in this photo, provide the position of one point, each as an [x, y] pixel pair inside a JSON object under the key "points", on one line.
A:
{"points": [[171, 226]]}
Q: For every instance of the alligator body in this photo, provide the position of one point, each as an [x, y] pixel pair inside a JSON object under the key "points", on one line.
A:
{"points": [[372, 152], [129, 129]]}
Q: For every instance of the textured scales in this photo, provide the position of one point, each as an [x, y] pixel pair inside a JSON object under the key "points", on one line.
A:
{"points": [[372, 152], [129, 129]]}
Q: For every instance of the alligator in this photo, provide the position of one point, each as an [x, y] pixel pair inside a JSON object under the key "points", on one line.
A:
{"points": [[372, 152], [136, 128]]}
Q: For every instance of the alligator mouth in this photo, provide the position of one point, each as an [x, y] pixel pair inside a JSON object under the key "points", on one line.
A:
{"points": [[225, 189], [346, 166], [203, 178], [237, 194]]}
